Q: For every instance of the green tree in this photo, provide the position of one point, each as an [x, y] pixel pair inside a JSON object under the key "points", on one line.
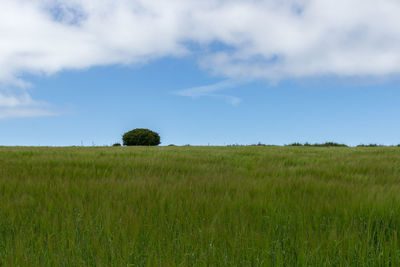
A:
{"points": [[141, 137]]}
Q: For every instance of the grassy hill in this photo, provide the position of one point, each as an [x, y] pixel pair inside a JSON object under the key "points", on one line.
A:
{"points": [[202, 206]]}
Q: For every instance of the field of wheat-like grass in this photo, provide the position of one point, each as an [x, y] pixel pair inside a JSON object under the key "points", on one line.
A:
{"points": [[199, 206]]}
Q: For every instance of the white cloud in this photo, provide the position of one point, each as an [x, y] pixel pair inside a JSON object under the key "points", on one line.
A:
{"points": [[212, 91], [270, 39], [22, 105], [24, 112]]}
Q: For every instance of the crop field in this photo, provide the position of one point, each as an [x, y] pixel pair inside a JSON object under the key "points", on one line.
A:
{"points": [[199, 206]]}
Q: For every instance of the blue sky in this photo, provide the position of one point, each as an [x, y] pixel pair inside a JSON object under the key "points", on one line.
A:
{"points": [[217, 83], [96, 106]]}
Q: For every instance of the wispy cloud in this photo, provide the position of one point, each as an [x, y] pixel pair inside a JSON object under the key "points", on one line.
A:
{"points": [[15, 106], [24, 112], [212, 91]]}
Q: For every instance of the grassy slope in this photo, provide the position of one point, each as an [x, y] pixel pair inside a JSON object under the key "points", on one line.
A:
{"points": [[219, 206]]}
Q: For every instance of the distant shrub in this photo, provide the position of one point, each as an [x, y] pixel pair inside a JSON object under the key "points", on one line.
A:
{"points": [[295, 144], [116, 144], [326, 144], [171, 145], [369, 145], [234, 145], [259, 144], [329, 144], [141, 137]]}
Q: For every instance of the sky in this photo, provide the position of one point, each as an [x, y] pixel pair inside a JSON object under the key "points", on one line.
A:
{"points": [[210, 72]]}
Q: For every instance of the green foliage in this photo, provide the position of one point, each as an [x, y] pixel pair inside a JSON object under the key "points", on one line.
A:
{"points": [[116, 144], [326, 144], [295, 144], [141, 137], [369, 145], [330, 144], [200, 206]]}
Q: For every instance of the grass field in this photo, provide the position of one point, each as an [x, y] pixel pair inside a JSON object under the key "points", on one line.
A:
{"points": [[200, 206]]}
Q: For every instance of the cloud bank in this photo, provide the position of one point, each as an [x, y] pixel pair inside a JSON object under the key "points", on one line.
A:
{"points": [[270, 39]]}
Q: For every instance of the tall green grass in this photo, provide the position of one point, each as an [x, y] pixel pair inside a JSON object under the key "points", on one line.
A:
{"points": [[200, 206]]}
